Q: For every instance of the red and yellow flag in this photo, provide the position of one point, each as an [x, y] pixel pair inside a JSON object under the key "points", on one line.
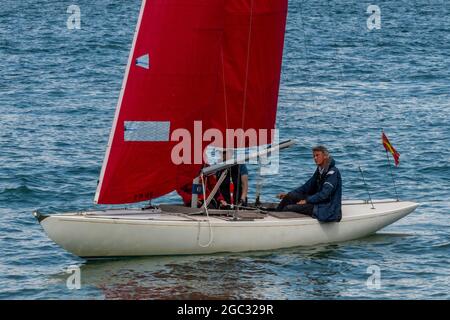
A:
{"points": [[388, 146]]}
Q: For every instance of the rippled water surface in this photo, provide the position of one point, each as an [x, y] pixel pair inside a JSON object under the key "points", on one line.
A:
{"points": [[341, 84]]}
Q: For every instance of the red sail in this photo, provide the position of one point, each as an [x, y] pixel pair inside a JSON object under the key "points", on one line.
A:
{"points": [[251, 64], [214, 61], [170, 82]]}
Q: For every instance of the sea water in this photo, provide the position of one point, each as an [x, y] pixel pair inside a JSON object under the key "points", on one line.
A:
{"points": [[347, 75]]}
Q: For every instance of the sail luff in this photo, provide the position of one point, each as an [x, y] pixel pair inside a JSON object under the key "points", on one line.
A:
{"points": [[119, 102]]}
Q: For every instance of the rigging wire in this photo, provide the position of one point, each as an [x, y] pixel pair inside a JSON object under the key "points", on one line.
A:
{"points": [[248, 62], [305, 49], [236, 189], [224, 91], [211, 235], [377, 40], [341, 75]]}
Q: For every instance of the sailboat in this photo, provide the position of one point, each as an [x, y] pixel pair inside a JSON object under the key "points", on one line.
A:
{"points": [[217, 63]]}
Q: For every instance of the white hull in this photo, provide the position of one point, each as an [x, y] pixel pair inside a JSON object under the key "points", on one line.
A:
{"points": [[132, 232]]}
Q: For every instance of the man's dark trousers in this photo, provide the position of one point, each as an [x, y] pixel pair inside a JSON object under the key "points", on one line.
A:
{"points": [[289, 203]]}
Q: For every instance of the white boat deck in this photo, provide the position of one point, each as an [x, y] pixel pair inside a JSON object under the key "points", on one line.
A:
{"points": [[351, 210]]}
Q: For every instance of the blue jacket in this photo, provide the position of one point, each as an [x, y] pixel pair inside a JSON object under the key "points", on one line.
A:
{"points": [[324, 191]]}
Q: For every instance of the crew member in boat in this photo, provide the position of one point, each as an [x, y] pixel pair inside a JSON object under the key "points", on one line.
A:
{"points": [[321, 196], [234, 188], [210, 181]]}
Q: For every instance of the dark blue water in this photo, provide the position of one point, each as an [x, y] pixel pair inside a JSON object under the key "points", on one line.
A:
{"points": [[341, 85]]}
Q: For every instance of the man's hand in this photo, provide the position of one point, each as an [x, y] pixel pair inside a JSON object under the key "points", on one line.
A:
{"points": [[281, 195], [302, 202], [223, 203]]}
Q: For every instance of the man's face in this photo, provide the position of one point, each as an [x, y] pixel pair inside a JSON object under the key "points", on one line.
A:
{"points": [[319, 158]]}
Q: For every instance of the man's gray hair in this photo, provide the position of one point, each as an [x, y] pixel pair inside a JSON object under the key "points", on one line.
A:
{"points": [[322, 149]]}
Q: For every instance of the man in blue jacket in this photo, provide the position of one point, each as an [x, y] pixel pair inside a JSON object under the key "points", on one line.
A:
{"points": [[321, 196]]}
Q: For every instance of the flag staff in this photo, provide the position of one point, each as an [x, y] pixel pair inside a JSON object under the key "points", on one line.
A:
{"points": [[392, 175], [387, 146]]}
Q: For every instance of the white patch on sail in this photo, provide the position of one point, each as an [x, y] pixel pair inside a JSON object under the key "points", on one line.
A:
{"points": [[143, 61], [147, 131]]}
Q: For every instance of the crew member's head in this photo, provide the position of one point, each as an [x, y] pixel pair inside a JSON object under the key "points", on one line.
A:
{"points": [[321, 155]]}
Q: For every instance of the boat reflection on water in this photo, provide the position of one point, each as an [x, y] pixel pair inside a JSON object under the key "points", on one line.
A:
{"points": [[175, 277], [321, 272]]}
